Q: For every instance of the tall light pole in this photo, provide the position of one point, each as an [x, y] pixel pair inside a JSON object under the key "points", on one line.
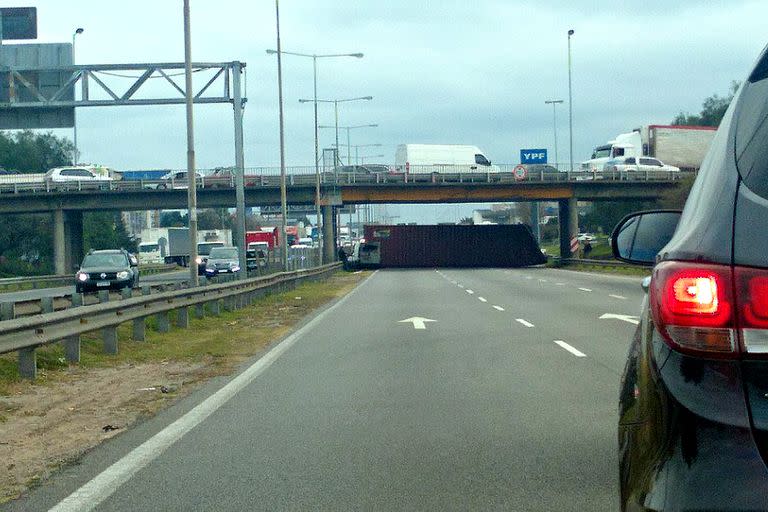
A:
{"points": [[358, 146], [570, 102], [191, 181], [314, 57], [75, 157], [283, 195], [348, 128], [336, 112], [554, 104]]}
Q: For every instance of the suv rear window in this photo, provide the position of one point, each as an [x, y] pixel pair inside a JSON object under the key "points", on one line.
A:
{"points": [[752, 132]]}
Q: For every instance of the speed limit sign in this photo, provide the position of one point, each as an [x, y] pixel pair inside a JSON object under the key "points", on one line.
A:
{"points": [[520, 172]]}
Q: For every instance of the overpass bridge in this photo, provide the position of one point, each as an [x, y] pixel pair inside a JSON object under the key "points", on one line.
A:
{"points": [[66, 202]]}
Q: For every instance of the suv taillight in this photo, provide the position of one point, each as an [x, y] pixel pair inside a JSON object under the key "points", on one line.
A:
{"points": [[697, 310]]}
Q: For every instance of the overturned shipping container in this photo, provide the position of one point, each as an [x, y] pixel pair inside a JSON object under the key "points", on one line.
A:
{"points": [[454, 246]]}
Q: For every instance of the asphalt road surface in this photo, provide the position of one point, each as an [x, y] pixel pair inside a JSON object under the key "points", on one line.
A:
{"points": [[161, 278], [505, 399]]}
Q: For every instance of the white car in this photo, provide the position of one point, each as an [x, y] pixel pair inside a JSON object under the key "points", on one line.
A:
{"points": [[630, 164], [585, 237], [177, 180], [74, 174]]}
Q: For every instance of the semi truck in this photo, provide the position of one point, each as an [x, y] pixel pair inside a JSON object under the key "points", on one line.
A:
{"points": [[441, 158], [174, 246], [681, 146]]}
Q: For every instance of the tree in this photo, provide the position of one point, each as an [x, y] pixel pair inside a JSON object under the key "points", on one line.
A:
{"points": [[712, 110], [172, 219], [27, 151], [674, 199], [105, 230], [606, 214]]}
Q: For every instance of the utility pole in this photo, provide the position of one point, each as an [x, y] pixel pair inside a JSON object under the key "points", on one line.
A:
{"points": [[191, 181]]}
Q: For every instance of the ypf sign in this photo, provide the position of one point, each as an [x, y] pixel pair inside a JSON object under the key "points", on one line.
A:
{"points": [[533, 156]]}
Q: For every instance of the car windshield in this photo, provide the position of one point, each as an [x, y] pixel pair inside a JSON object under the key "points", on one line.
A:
{"points": [[105, 260], [149, 247], [205, 249], [223, 253]]}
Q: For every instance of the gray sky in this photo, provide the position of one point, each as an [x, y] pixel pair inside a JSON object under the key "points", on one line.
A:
{"points": [[440, 72]]}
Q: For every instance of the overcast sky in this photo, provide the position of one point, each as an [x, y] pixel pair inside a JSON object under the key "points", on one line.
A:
{"points": [[452, 72]]}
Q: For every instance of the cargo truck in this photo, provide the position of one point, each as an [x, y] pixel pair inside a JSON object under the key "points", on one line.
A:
{"points": [[177, 248], [441, 158], [681, 146], [264, 235]]}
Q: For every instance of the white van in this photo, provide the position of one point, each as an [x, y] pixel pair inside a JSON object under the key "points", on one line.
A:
{"points": [[442, 158]]}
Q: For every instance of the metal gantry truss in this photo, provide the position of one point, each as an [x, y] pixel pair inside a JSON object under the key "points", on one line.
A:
{"points": [[96, 80]]}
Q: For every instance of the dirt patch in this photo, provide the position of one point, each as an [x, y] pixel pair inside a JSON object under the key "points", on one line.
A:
{"points": [[69, 410], [45, 427]]}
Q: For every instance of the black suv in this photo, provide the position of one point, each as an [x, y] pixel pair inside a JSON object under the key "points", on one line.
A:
{"points": [[693, 406], [108, 269]]}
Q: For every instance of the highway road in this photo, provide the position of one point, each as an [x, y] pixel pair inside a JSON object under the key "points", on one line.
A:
{"points": [[457, 389], [24, 295]]}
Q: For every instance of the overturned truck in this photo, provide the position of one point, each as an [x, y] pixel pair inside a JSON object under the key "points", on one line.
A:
{"points": [[449, 246]]}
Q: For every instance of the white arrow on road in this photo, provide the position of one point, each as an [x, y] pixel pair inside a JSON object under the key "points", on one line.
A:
{"points": [[624, 318], [417, 321]]}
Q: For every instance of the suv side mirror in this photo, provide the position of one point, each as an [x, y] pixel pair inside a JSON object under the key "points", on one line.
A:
{"points": [[640, 236]]}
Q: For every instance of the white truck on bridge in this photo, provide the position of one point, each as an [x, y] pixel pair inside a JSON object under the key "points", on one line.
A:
{"points": [[681, 146], [442, 158]]}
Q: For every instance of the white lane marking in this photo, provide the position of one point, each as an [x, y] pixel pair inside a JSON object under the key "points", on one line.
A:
{"points": [[570, 349], [482, 299], [498, 308], [528, 277], [469, 292], [620, 297], [417, 321], [624, 318], [543, 281], [559, 284], [103, 485], [585, 289], [454, 282], [524, 322], [460, 285]]}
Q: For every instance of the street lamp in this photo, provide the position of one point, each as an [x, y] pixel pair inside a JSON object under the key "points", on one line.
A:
{"points": [[77, 31], [348, 128], [314, 57], [336, 112], [554, 104], [570, 101]]}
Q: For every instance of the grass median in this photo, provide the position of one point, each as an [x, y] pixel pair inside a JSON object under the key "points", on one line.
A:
{"points": [[71, 408]]}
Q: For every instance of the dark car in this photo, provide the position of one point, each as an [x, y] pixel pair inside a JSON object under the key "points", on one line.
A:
{"points": [[693, 407], [222, 260], [108, 270], [203, 250]]}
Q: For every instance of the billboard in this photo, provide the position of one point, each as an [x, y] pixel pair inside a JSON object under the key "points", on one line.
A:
{"points": [[18, 23], [36, 61]]}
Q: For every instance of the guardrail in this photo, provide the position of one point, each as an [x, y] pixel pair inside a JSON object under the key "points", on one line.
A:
{"points": [[305, 176], [25, 335], [50, 281]]}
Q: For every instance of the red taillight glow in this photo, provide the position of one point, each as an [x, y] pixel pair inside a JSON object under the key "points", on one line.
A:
{"points": [[701, 308], [692, 305]]}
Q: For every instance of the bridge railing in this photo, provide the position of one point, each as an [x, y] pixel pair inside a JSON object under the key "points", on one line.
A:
{"points": [[305, 176]]}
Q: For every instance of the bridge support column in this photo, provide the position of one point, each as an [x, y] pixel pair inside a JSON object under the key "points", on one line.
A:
{"points": [[329, 240], [568, 217], [535, 222], [67, 240]]}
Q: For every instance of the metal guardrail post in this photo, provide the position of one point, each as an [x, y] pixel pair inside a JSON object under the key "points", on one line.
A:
{"points": [[214, 307], [182, 317], [103, 296], [126, 293], [28, 363], [7, 311], [163, 322], [72, 343]]}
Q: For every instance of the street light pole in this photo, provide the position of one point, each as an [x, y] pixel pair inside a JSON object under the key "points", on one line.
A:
{"points": [[570, 102], [283, 195], [191, 181], [336, 113], [554, 126], [314, 57], [75, 157]]}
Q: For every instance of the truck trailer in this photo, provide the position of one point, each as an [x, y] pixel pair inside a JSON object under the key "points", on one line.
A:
{"points": [[681, 146], [445, 245]]}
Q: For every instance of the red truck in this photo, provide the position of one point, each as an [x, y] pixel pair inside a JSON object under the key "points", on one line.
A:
{"points": [[268, 235]]}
